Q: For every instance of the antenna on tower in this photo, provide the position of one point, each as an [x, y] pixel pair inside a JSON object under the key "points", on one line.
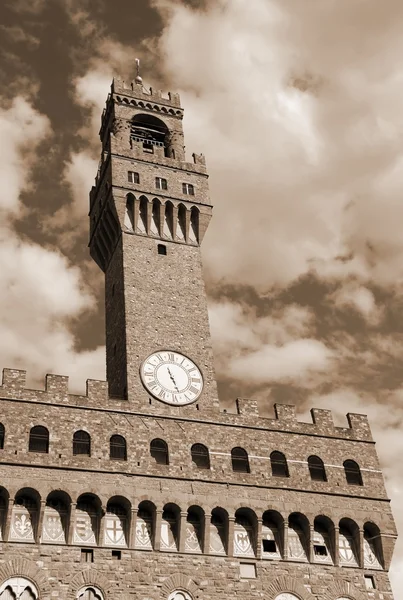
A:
{"points": [[138, 78]]}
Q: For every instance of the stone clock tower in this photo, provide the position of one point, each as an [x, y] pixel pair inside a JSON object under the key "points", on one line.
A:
{"points": [[143, 489], [149, 212]]}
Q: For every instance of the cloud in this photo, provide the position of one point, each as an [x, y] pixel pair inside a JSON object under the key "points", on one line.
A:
{"points": [[18, 35], [27, 6], [41, 292], [360, 299], [267, 349], [300, 123], [22, 129]]}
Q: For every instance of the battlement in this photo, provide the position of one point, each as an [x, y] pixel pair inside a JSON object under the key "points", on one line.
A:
{"points": [[136, 90], [247, 411]]}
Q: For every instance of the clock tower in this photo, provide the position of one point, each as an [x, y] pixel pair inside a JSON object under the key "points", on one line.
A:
{"points": [[149, 210]]}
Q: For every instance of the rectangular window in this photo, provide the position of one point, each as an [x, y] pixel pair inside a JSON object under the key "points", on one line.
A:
{"points": [[87, 555], [161, 183], [116, 554], [369, 582], [148, 148], [133, 177], [320, 550], [269, 546], [188, 189], [247, 570]]}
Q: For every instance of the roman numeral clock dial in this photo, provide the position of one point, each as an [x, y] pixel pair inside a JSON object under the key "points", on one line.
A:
{"points": [[172, 378]]}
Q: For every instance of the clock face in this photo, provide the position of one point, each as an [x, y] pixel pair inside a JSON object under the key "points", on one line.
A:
{"points": [[172, 377]]}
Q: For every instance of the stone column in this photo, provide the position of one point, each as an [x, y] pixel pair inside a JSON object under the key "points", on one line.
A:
{"points": [[132, 528], [285, 542], [258, 541], [206, 534], [157, 530], [311, 553], [72, 522], [360, 542], [230, 536], [7, 522], [39, 523], [182, 531], [336, 536], [101, 526]]}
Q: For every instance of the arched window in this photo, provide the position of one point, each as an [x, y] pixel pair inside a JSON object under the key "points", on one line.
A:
{"points": [[218, 531], [240, 460], [142, 218], [18, 588], [181, 224], [155, 217], [323, 540], [316, 469], [298, 537], [200, 456], [179, 595], [159, 452], [24, 517], [194, 530], [117, 446], [272, 534], [279, 467], [194, 225], [349, 541], [90, 592], [2, 431], [116, 524], [170, 528], [244, 532], [372, 546], [39, 439], [145, 525], [54, 527], [168, 220], [87, 520], [353, 473], [129, 214], [81, 443]]}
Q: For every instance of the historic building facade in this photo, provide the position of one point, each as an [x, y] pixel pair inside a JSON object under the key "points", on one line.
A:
{"points": [[143, 488]]}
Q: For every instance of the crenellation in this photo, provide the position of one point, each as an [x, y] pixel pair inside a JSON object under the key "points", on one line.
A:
{"points": [[286, 412], [136, 90], [13, 380]]}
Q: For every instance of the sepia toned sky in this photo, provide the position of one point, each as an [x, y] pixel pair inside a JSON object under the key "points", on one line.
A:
{"points": [[297, 108]]}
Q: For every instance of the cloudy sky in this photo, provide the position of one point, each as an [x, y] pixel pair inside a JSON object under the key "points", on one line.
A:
{"points": [[297, 107]]}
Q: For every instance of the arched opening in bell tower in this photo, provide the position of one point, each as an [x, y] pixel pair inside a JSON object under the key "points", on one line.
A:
{"points": [[151, 132]]}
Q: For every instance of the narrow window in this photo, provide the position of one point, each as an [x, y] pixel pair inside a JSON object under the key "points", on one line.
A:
{"points": [[200, 456], [279, 467], [159, 451], [39, 439], [162, 249], [369, 582], [117, 446], [188, 189], [161, 183], [87, 555], [352, 472], [81, 443], [240, 460], [133, 177], [316, 469], [2, 431]]}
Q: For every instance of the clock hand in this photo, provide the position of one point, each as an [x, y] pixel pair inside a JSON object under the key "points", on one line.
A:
{"points": [[173, 379]]}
